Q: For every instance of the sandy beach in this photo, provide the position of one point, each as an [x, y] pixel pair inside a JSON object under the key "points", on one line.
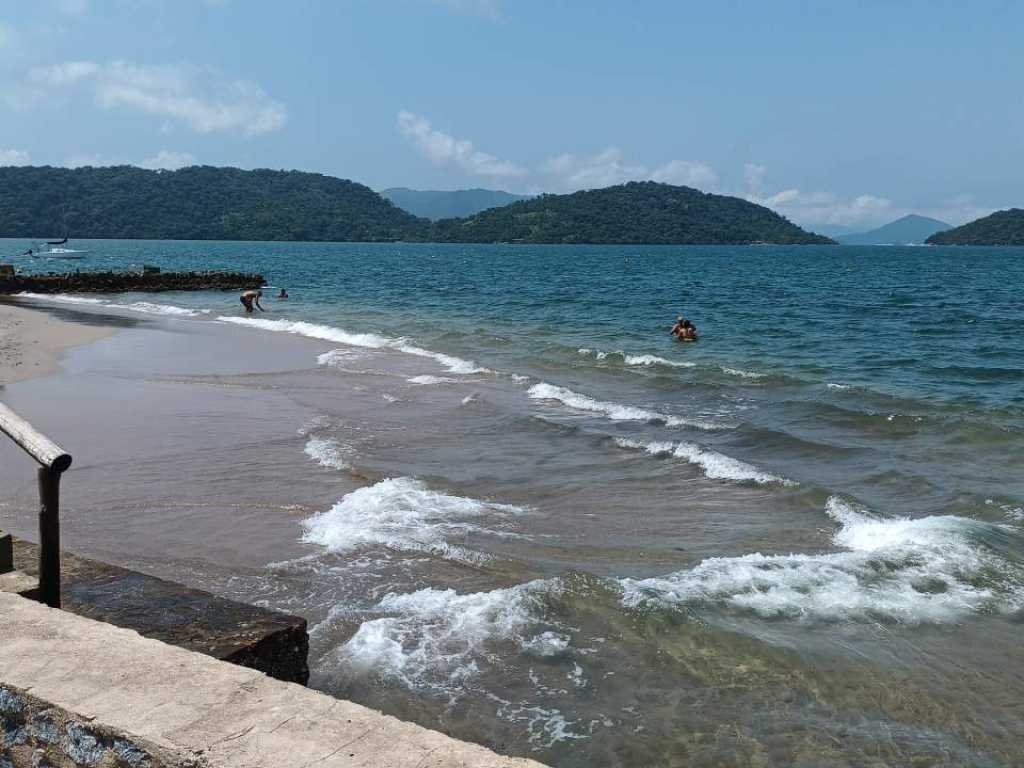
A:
{"points": [[32, 340]]}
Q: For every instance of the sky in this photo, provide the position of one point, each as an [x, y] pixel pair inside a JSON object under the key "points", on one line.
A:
{"points": [[835, 114]]}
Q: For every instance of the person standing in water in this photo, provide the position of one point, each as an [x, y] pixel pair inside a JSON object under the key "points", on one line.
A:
{"points": [[283, 294], [249, 298], [677, 329]]}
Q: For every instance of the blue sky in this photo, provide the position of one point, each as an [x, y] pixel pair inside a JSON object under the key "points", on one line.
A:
{"points": [[835, 114]]}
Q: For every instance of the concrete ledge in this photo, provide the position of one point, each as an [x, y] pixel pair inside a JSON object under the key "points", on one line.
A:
{"points": [[272, 642], [176, 707]]}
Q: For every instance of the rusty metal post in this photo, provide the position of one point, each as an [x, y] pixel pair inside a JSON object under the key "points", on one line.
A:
{"points": [[49, 536]]}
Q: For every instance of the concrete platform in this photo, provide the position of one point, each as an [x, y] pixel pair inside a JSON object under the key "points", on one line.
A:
{"points": [[74, 691], [271, 642]]}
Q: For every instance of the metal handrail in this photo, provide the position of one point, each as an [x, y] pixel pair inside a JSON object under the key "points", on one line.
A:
{"points": [[53, 462]]}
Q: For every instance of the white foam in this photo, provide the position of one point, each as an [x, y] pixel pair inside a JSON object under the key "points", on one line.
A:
{"points": [[328, 452], [367, 340], [840, 387], [59, 298], [434, 638], [150, 308], [613, 411], [716, 466], [431, 380], [339, 357], [146, 307], [743, 374], [404, 515], [636, 360], [929, 570]]}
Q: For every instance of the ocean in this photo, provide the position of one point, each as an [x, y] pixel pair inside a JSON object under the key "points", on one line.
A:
{"points": [[521, 513]]}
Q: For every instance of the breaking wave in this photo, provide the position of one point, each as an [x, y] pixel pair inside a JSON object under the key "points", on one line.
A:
{"points": [[454, 365], [716, 466], [146, 307], [402, 514], [435, 637], [624, 358], [328, 452], [936, 569], [613, 411]]}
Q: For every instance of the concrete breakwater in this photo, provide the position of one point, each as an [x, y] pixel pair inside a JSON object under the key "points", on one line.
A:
{"points": [[116, 282]]}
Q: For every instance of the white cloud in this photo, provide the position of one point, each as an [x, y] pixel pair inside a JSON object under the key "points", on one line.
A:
{"points": [[14, 157], [168, 161], [812, 209], [203, 101], [443, 149], [687, 173], [570, 172]]}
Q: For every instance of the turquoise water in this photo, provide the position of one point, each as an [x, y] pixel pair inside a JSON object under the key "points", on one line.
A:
{"points": [[577, 539]]}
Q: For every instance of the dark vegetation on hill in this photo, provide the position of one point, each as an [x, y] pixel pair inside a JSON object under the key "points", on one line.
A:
{"points": [[1000, 228], [437, 204], [633, 213], [206, 203], [197, 203]]}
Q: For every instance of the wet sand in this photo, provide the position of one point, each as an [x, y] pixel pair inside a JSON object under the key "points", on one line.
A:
{"points": [[32, 340]]}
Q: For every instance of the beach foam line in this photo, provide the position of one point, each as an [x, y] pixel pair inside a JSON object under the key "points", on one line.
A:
{"points": [[146, 307], [328, 452], [454, 365], [404, 515], [613, 411], [716, 466], [930, 570], [635, 360], [743, 374], [426, 381], [433, 639]]}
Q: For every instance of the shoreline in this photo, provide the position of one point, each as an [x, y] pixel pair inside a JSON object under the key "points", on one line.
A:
{"points": [[33, 340]]}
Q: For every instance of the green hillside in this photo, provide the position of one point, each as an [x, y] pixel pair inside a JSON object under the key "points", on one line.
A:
{"points": [[197, 203], [633, 213], [437, 204], [1001, 228]]}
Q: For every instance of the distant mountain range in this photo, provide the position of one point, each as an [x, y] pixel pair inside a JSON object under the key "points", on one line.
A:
{"points": [[207, 203], [909, 230], [1000, 228], [438, 204], [640, 212]]}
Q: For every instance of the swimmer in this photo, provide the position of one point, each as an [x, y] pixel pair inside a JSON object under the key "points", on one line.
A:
{"points": [[249, 298], [282, 295]]}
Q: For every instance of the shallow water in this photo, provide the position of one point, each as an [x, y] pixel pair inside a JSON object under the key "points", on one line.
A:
{"points": [[514, 509]]}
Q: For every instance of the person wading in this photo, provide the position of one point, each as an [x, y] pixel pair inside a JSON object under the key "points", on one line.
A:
{"points": [[249, 298]]}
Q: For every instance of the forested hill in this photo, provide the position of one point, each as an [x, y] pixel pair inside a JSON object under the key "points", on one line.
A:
{"points": [[206, 203], [633, 213], [436, 204], [1001, 228], [197, 203]]}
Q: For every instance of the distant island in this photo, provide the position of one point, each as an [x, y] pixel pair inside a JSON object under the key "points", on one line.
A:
{"points": [[1000, 228], [909, 230], [640, 212], [207, 203], [438, 204], [196, 203]]}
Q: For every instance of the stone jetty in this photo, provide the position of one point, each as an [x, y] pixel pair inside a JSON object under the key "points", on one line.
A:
{"points": [[150, 279]]}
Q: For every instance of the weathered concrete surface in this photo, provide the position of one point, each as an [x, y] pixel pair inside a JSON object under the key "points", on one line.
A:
{"points": [[200, 709], [272, 642], [113, 282]]}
